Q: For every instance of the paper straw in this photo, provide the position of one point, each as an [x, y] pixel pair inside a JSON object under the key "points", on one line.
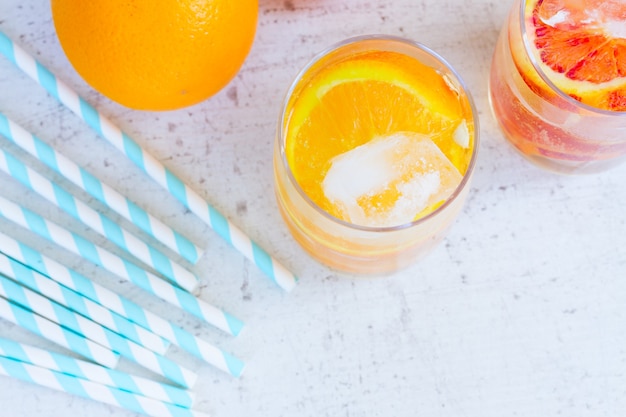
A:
{"points": [[95, 373], [98, 222], [119, 266], [95, 332], [113, 301], [155, 170], [99, 190], [57, 334], [82, 305], [87, 389]]}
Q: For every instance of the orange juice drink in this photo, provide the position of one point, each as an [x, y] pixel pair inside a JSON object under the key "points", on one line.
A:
{"points": [[374, 152], [558, 83]]}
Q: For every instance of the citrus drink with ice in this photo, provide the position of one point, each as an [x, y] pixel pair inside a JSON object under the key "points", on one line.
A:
{"points": [[558, 83], [374, 151]]}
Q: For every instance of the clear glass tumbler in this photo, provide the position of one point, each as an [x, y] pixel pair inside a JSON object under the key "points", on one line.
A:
{"points": [[340, 244], [553, 128]]}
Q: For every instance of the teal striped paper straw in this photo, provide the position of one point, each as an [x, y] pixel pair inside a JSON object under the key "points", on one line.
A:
{"points": [[99, 190], [87, 389], [57, 334], [119, 266], [95, 373], [97, 221], [84, 306], [96, 333], [111, 300], [150, 165]]}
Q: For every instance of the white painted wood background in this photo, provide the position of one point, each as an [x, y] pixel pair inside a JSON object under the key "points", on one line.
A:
{"points": [[520, 312]]}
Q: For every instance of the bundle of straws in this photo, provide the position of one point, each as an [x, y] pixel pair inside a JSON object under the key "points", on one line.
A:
{"points": [[96, 323]]}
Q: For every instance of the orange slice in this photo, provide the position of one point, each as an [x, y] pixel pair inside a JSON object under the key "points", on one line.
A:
{"points": [[367, 96], [581, 47]]}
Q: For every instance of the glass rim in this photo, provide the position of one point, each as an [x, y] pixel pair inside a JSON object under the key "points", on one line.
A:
{"points": [[365, 38], [528, 48]]}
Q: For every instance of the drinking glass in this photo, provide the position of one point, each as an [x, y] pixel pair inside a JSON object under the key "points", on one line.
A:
{"points": [[349, 247], [548, 127]]}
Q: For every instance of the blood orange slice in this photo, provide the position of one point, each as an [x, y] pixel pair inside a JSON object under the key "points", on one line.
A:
{"points": [[581, 47]]}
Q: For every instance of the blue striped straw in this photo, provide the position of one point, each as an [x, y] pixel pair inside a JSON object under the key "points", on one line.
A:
{"points": [[84, 306], [150, 165], [87, 389], [97, 221], [95, 332], [111, 300], [57, 334], [95, 373], [119, 266], [99, 190]]}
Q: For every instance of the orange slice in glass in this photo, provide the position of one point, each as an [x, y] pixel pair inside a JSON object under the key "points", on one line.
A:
{"points": [[367, 96]]}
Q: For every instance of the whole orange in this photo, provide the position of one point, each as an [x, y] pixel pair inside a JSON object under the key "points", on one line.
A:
{"points": [[156, 55]]}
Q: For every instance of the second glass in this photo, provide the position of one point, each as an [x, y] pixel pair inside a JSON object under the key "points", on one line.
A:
{"points": [[546, 44]]}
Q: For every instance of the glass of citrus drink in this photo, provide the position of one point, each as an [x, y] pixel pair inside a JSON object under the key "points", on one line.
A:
{"points": [[558, 83], [375, 149]]}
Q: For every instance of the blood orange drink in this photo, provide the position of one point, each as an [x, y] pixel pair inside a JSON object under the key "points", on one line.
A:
{"points": [[558, 83]]}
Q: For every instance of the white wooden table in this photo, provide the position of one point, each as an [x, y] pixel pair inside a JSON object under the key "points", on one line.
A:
{"points": [[521, 311]]}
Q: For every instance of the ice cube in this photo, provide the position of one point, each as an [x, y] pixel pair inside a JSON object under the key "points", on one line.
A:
{"points": [[461, 135], [615, 28], [389, 180], [555, 19], [607, 15]]}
